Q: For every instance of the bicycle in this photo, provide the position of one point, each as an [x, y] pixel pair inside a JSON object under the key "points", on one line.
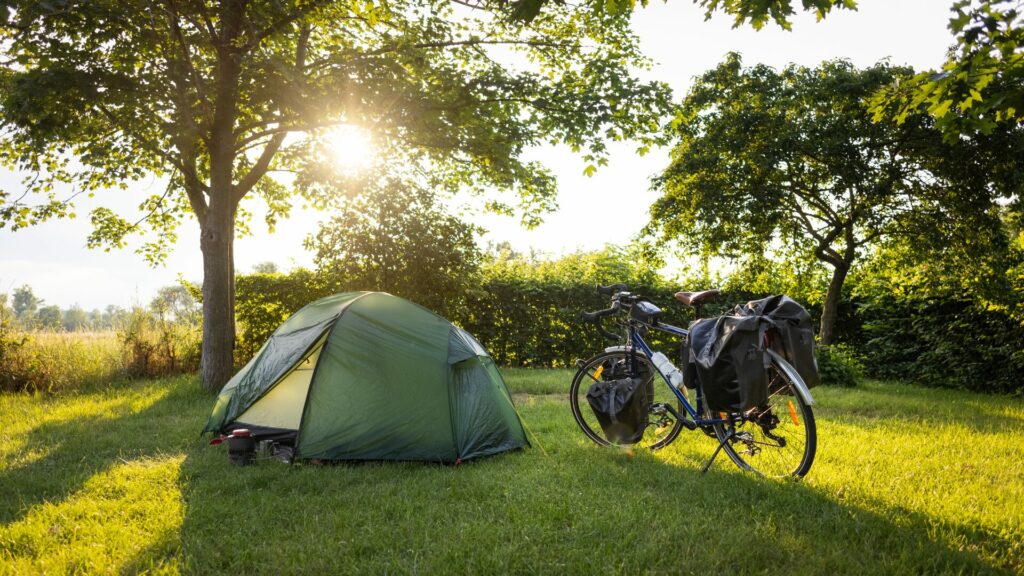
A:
{"points": [[776, 439]]}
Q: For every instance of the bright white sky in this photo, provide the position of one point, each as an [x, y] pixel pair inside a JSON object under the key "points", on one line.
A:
{"points": [[52, 257]]}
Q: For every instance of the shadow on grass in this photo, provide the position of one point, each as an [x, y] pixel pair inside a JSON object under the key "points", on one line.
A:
{"points": [[78, 447], [581, 509], [930, 406]]}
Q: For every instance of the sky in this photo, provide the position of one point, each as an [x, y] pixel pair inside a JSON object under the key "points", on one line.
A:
{"points": [[53, 259]]}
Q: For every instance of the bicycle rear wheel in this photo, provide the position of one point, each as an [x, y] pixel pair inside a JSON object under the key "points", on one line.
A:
{"points": [[776, 440], [663, 427]]}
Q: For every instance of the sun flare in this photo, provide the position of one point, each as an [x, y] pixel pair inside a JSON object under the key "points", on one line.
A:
{"points": [[350, 148]]}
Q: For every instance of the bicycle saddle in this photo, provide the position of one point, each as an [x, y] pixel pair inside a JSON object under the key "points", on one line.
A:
{"points": [[697, 298]]}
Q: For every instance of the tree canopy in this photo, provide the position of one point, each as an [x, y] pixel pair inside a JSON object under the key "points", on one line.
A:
{"points": [[791, 161], [981, 85], [235, 99], [756, 13], [397, 238]]}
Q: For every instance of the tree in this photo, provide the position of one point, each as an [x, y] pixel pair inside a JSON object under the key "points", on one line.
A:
{"points": [[981, 85], [397, 238], [206, 94], [49, 317], [791, 161], [75, 318], [267, 267], [755, 12], [175, 304], [25, 302]]}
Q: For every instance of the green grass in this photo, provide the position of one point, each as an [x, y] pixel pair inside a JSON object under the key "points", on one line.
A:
{"points": [[115, 480]]}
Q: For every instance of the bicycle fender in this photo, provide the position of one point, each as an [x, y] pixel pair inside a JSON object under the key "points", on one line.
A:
{"points": [[620, 348], [794, 376]]}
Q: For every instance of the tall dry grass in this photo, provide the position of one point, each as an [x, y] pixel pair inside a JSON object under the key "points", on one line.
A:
{"points": [[144, 347], [54, 361]]}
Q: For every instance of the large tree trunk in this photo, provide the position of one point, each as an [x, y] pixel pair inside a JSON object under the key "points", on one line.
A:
{"points": [[831, 308], [217, 244]]}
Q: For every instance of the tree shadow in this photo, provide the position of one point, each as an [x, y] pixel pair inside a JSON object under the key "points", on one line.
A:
{"points": [[577, 509], [77, 447], [928, 406]]}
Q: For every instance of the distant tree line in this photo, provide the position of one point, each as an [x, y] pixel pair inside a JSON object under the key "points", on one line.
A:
{"points": [[24, 310]]}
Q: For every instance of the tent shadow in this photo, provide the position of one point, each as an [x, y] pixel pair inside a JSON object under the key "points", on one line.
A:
{"points": [[580, 509]]}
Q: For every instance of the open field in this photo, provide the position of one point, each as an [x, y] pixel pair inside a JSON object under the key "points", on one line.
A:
{"points": [[116, 480]]}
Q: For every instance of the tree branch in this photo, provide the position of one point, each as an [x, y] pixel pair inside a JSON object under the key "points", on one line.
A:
{"points": [[145, 144], [186, 53], [270, 150]]}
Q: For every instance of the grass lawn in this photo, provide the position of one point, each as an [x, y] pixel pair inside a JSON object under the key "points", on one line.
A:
{"points": [[116, 480]]}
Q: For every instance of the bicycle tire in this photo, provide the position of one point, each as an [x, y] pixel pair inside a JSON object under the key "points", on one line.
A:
{"points": [[654, 439], [760, 454]]}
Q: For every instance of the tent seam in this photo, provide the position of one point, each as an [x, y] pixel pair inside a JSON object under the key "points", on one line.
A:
{"points": [[316, 368]]}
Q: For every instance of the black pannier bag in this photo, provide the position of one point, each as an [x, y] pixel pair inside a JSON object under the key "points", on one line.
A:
{"points": [[621, 407], [727, 354], [728, 358], [791, 334]]}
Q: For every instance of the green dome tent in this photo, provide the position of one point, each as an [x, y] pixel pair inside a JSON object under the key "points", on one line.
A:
{"points": [[370, 376]]}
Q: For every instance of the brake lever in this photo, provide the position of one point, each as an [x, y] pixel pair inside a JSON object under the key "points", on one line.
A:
{"points": [[605, 333]]}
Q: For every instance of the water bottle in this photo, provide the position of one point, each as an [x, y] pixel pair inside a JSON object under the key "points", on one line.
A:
{"points": [[671, 373]]}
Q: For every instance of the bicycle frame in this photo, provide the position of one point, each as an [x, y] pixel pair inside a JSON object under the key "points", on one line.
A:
{"points": [[635, 341]]}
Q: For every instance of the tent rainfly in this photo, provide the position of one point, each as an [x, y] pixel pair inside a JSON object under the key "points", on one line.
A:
{"points": [[370, 376]]}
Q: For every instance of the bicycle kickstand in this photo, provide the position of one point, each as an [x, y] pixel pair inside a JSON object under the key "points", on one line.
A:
{"points": [[714, 454]]}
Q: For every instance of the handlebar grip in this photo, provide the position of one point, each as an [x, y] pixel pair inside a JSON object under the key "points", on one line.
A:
{"points": [[612, 289], [594, 316]]}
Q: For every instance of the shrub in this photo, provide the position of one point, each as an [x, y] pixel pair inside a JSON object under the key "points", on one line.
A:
{"points": [[158, 345], [55, 361], [839, 365], [945, 342]]}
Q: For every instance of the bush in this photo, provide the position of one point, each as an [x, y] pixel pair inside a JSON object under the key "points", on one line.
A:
{"points": [[839, 365], [264, 300], [54, 361], [158, 345], [945, 342]]}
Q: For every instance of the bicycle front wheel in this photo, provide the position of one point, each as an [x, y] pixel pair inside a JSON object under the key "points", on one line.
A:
{"points": [[776, 440], [663, 427]]}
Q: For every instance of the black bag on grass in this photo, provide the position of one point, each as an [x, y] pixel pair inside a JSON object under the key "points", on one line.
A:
{"points": [[621, 408]]}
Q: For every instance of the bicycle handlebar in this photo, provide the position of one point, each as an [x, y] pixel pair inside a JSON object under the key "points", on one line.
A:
{"points": [[595, 316], [612, 289]]}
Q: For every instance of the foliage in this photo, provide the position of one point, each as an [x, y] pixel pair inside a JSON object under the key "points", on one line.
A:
{"points": [[397, 238], [981, 84], [207, 96], [755, 12], [74, 318], [266, 267], [162, 340], [839, 365], [116, 480], [943, 322], [423, 78], [789, 160], [526, 311], [265, 300], [25, 302], [49, 318]]}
